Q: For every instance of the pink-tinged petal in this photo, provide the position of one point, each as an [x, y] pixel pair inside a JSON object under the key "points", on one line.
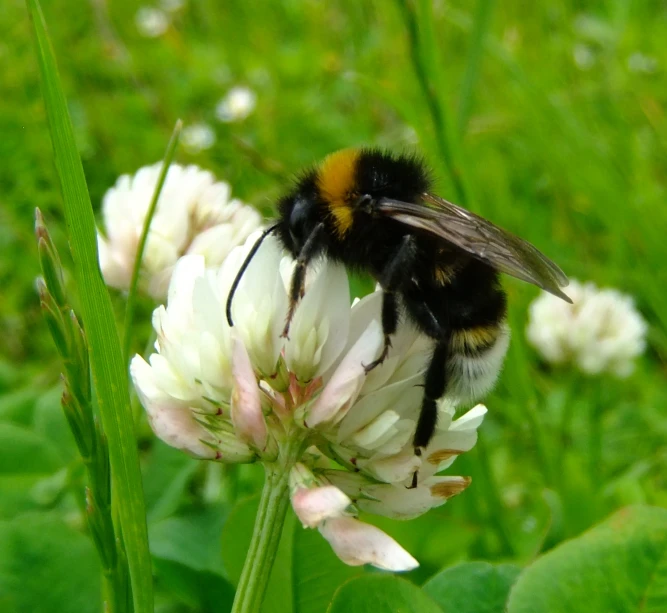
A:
{"points": [[246, 406], [357, 543], [343, 388], [313, 506], [171, 420]]}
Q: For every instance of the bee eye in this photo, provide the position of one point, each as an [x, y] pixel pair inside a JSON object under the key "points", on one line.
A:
{"points": [[297, 221]]}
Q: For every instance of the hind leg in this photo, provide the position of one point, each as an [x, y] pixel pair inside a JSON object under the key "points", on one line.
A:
{"points": [[392, 277], [435, 385]]}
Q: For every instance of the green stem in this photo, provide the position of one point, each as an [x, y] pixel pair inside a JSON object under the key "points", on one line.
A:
{"points": [[422, 51], [266, 533], [131, 296]]}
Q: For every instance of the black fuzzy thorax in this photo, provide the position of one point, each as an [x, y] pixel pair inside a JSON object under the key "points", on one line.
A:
{"points": [[471, 297]]}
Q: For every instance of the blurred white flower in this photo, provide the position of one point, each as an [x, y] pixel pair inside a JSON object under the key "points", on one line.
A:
{"points": [[172, 5], [639, 62], [244, 393], [197, 137], [194, 214], [151, 22], [584, 56], [239, 102], [601, 332]]}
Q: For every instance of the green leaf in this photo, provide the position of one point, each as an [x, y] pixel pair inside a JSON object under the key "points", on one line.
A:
{"points": [[108, 370], [166, 478], [203, 592], [45, 566], [381, 594], [192, 540], [620, 565], [24, 452], [473, 587], [17, 406]]}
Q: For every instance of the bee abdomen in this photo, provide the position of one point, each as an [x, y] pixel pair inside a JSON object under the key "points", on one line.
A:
{"points": [[475, 360]]}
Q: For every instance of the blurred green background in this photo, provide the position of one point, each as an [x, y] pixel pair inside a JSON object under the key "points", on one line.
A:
{"points": [[554, 123]]}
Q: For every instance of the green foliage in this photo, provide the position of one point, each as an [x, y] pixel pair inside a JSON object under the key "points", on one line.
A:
{"points": [[557, 131], [473, 587], [382, 595], [46, 566], [620, 565]]}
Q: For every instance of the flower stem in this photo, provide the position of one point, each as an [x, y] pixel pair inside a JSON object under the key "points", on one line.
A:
{"points": [[266, 533]]}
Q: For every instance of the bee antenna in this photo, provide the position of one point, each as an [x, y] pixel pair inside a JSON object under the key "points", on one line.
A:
{"points": [[239, 274]]}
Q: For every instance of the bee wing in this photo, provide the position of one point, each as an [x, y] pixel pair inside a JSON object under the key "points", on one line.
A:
{"points": [[480, 238]]}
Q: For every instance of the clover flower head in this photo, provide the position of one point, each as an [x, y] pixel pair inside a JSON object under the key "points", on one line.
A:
{"points": [[238, 104], [245, 393], [602, 331], [195, 215]]}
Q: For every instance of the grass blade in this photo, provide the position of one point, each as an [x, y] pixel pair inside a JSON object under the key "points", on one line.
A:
{"points": [[108, 369], [480, 28]]}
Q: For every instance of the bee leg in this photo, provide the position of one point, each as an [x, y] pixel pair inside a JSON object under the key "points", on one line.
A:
{"points": [[391, 278], [435, 384], [299, 275]]}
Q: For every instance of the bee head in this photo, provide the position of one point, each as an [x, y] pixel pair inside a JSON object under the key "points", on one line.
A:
{"points": [[298, 215]]}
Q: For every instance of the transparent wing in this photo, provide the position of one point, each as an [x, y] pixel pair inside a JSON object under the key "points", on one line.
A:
{"points": [[480, 238]]}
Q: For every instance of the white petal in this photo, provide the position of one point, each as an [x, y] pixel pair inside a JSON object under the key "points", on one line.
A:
{"points": [[357, 543], [319, 329], [393, 469], [314, 505], [346, 382]]}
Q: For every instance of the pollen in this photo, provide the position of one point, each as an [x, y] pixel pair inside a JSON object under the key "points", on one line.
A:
{"points": [[451, 487], [442, 455], [335, 182]]}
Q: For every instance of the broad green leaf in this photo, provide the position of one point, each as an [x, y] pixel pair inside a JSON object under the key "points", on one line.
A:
{"points": [[166, 477], [24, 452], [382, 594], [17, 406], [620, 565], [473, 587], [16, 494], [109, 372], [192, 540], [202, 592], [46, 566]]}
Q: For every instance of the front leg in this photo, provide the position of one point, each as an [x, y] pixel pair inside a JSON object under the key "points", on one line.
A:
{"points": [[391, 280], [299, 275]]}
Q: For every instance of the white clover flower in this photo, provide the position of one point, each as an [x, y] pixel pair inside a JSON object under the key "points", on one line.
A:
{"points": [[245, 393], [151, 22], [641, 63], [194, 215], [238, 104], [601, 331], [197, 137]]}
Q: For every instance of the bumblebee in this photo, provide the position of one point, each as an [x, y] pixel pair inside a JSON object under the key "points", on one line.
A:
{"points": [[437, 263]]}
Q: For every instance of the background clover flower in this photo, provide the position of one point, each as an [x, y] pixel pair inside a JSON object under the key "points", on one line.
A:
{"points": [[602, 331], [305, 403], [194, 215]]}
